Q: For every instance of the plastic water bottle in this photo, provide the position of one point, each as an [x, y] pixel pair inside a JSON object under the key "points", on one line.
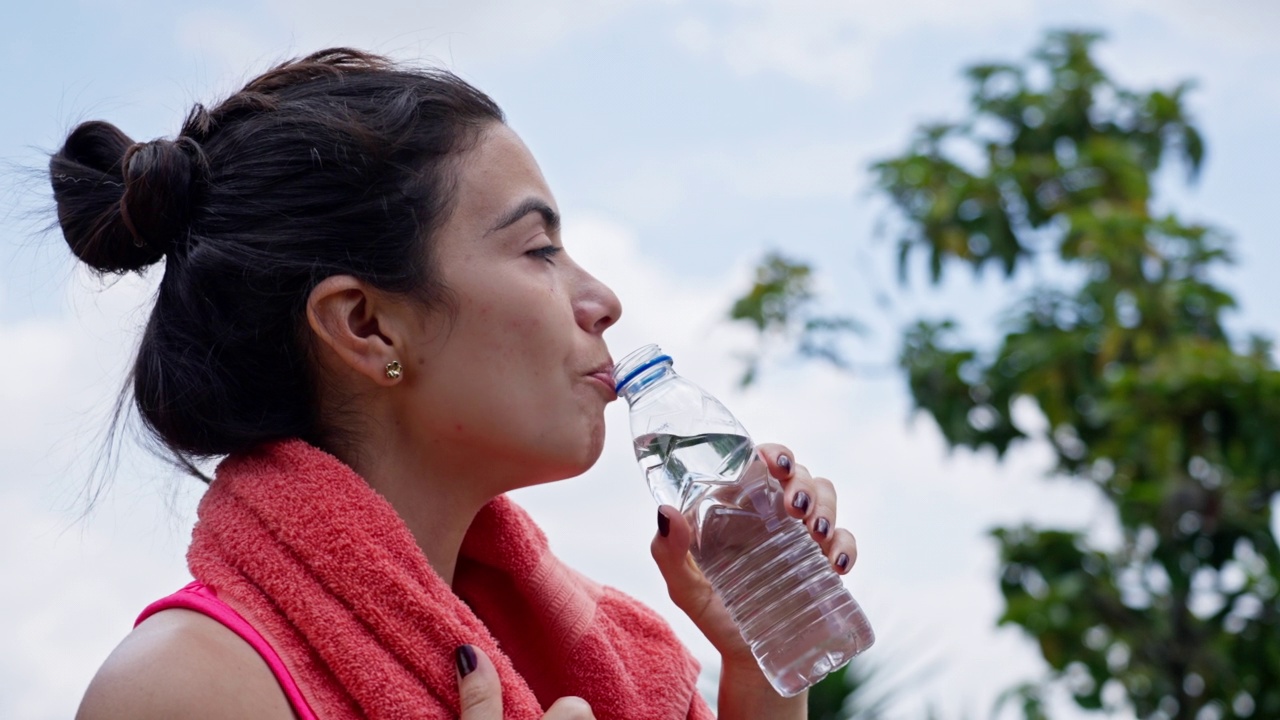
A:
{"points": [[790, 605]]}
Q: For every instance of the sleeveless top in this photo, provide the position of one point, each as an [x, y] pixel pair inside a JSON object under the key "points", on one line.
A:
{"points": [[200, 598]]}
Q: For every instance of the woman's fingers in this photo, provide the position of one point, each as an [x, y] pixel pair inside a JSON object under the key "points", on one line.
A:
{"points": [[569, 708], [812, 499], [794, 478], [822, 518], [804, 498], [779, 458], [843, 552], [480, 691]]}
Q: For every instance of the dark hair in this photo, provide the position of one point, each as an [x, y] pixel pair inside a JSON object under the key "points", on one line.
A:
{"points": [[337, 163]]}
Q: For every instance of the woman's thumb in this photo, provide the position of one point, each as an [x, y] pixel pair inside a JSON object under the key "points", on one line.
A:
{"points": [[670, 548], [479, 689]]}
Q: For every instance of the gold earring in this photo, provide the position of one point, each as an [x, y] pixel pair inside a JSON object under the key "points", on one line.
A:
{"points": [[394, 371]]}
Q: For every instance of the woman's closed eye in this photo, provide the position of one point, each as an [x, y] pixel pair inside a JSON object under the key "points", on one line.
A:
{"points": [[546, 252]]}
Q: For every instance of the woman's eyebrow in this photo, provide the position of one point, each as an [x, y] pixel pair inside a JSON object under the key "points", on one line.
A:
{"points": [[526, 206]]}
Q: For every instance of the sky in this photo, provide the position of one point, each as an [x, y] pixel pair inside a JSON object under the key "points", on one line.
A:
{"points": [[682, 140]]}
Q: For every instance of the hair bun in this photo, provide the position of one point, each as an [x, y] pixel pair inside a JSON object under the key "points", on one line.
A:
{"points": [[122, 205]]}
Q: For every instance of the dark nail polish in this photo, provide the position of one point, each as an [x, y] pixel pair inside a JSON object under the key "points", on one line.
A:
{"points": [[801, 501], [784, 462], [664, 524], [842, 562], [465, 656], [822, 527]]}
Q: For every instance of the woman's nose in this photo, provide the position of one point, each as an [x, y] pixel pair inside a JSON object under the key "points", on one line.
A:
{"points": [[596, 308]]}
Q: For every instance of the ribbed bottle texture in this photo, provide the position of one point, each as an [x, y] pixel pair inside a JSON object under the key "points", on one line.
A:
{"points": [[790, 605]]}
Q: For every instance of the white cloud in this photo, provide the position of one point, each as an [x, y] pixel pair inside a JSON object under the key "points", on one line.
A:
{"points": [[837, 45], [828, 43], [1237, 26], [460, 35], [770, 44], [73, 586], [770, 169]]}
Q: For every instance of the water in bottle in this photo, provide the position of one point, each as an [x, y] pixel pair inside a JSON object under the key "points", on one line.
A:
{"points": [[790, 605]]}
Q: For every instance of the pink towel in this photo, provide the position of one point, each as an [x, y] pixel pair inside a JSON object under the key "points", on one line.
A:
{"points": [[323, 567]]}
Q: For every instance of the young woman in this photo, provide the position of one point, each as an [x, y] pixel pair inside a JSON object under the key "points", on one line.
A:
{"points": [[368, 312]]}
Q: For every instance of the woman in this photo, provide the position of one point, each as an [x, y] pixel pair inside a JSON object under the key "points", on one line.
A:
{"points": [[366, 308]]}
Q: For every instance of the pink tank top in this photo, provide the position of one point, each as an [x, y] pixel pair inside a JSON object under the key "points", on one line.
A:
{"points": [[202, 599]]}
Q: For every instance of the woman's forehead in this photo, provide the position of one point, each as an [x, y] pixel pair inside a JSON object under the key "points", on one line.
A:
{"points": [[497, 174]]}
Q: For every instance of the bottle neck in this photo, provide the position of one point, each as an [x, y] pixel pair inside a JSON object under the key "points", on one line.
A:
{"points": [[645, 380], [640, 370]]}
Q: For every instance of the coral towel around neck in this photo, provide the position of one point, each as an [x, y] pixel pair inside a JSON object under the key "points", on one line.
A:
{"points": [[325, 569]]}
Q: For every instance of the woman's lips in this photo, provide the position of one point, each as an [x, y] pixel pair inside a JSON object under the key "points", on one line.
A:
{"points": [[605, 379]]}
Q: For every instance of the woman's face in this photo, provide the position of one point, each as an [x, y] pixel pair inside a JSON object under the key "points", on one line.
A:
{"points": [[514, 383]]}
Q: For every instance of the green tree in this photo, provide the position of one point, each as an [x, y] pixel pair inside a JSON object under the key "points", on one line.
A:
{"points": [[1148, 397]]}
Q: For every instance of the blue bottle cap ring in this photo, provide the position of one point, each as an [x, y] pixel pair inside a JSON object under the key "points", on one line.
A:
{"points": [[644, 366]]}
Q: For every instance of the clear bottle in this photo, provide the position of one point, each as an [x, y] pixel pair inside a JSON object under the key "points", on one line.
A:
{"points": [[790, 605]]}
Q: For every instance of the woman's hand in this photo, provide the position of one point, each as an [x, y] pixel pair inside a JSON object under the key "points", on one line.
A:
{"points": [[481, 691], [742, 684]]}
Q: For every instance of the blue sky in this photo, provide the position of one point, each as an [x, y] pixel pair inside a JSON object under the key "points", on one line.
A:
{"points": [[682, 138]]}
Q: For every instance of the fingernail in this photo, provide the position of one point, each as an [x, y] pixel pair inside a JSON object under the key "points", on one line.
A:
{"points": [[801, 501], [465, 656], [822, 526], [784, 462], [842, 561], [664, 524]]}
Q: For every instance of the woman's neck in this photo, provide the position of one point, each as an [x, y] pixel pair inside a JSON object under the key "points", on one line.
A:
{"points": [[436, 503]]}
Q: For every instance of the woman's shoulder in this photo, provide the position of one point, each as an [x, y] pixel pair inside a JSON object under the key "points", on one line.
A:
{"points": [[181, 663]]}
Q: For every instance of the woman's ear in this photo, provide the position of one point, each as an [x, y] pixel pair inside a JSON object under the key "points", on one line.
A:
{"points": [[354, 321]]}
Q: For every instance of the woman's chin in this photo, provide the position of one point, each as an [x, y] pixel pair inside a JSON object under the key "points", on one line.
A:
{"points": [[576, 462], [582, 463]]}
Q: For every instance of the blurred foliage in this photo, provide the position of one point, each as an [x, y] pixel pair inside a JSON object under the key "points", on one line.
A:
{"points": [[866, 689], [781, 306], [844, 694], [1121, 347]]}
